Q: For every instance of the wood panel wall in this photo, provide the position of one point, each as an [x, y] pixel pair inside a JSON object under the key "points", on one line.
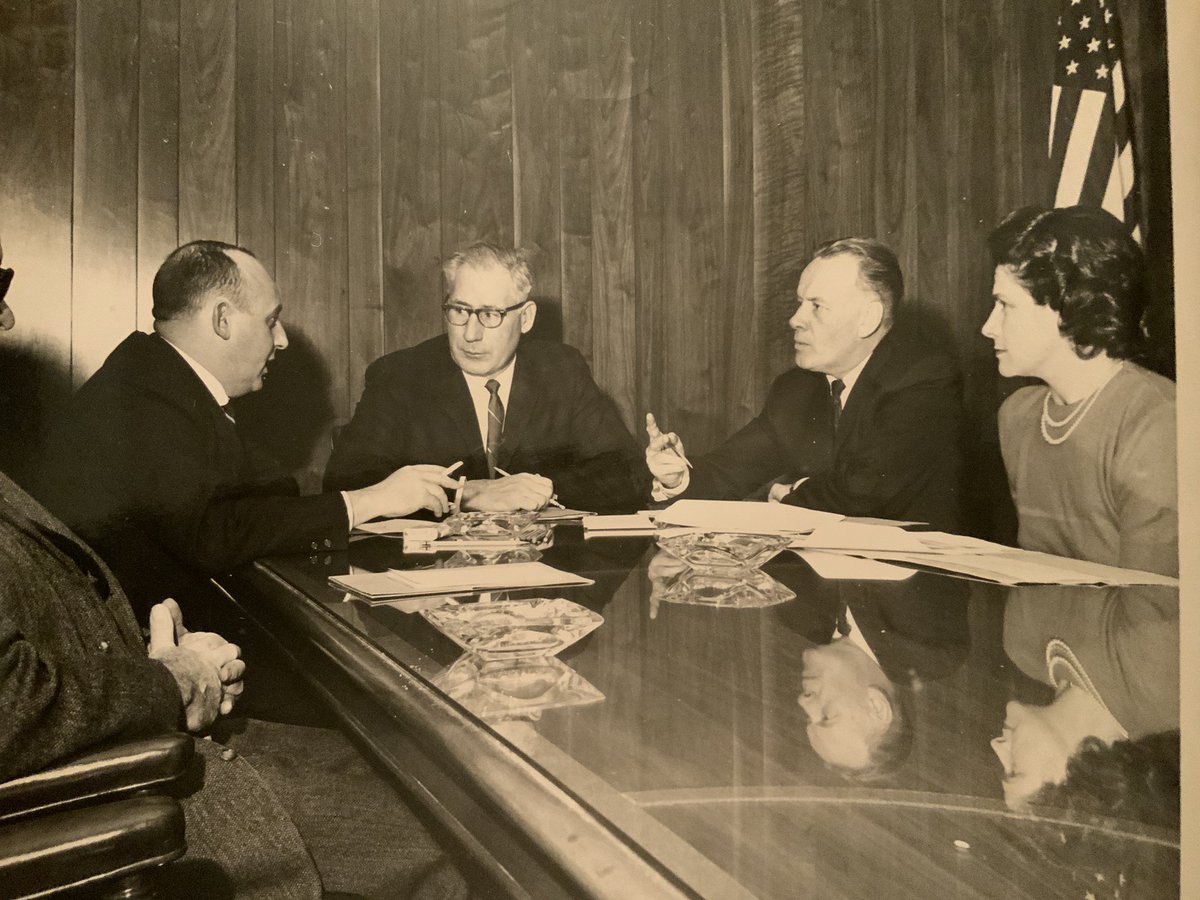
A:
{"points": [[672, 162]]}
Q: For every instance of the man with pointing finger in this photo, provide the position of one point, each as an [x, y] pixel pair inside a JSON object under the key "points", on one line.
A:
{"points": [[867, 424]]}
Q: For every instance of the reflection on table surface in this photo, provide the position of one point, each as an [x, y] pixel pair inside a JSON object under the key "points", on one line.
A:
{"points": [[857, 739]]}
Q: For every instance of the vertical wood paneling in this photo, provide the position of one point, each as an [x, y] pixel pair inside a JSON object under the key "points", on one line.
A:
{"points": [[158, 147], [476, 123], [672, 163], [649, 154], [255, 117], [364, 276], [575, 181], [207, 120], [972, 189], [410, 125], [744, 390], [37, 86], [535, 38], [104, 218], [310, 197], [781, 217], [693, 336], [895, 169], [614, 347], [839, 49], [929, 285]]}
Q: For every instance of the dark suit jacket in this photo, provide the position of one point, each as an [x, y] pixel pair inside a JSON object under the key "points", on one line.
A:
{"points": [[147, 468], [897, 453], [73, 665], [416, 408]]}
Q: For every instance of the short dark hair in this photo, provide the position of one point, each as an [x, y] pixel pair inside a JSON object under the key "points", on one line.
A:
{"points": [[877, 266], [513, 260], [1082, 262], [191, 272]]}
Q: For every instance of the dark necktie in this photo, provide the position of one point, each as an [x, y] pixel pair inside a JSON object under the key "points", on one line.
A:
{"points": [[495, 429], [228, 410], [835, 400]]}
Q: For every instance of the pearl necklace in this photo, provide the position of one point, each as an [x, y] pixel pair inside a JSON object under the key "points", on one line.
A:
{"points": [[1057, 650], [1075, 416]]}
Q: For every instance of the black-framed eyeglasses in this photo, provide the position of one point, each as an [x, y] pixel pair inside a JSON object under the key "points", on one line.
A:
{"points": [[488, 317]]}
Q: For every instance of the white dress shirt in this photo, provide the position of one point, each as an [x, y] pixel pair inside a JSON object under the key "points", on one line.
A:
{"points": [[477, 385]]}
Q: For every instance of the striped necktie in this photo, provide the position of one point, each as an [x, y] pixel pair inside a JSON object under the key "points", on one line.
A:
{"points": [[495, 430], [835, 400]]}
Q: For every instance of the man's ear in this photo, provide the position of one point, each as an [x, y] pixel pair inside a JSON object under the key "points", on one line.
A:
{"points": [[220, 319], [879, 705], [528, 314], [871, 319]]}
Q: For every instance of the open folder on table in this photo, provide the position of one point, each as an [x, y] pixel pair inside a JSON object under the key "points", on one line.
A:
{"points": [[464, 580]]}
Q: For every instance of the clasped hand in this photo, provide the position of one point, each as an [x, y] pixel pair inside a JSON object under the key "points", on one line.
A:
{"points": [[664, 455], [207, 668], [521, 491]]}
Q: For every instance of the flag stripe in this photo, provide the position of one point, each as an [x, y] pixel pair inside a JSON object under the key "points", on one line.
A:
{"points": [[1079, 148], [1055, 94]]}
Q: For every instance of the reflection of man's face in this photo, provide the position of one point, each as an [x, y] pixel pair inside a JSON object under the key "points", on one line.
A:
{"points": [[479, 350], [848, 713], [1032, 751]]}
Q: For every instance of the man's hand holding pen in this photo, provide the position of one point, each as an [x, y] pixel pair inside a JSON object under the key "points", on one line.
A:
{"points": [[509, 492], [665, 457]]}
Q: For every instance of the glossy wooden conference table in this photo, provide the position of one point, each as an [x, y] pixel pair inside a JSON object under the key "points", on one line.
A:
{"points": [[693, 775]]}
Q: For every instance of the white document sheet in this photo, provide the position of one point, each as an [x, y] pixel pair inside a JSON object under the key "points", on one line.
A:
{"points": [[855, 568], [744, 516], [854, 536], [465, 580], [1013, 567]]}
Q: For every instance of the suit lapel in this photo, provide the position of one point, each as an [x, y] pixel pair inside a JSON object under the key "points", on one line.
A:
{"points": [[521, 400], [458, 412], [865, 389]]}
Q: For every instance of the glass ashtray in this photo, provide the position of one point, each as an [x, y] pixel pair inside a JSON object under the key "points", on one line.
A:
{"points": [[521, 525], [732, 589], [711, 550], [504, 629], [520, 688]]}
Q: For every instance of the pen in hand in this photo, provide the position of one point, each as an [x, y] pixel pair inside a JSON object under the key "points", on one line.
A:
{"points": [[550, 502]]}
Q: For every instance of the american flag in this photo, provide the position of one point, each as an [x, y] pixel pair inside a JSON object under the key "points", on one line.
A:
{"points": [[1090, 147]]}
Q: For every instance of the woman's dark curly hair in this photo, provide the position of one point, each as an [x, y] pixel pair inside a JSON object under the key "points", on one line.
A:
{"points": [[1082, 263], [1136, 780]]}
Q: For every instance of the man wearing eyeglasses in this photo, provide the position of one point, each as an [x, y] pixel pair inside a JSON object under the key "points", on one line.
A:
{"points": [[524, 416]]}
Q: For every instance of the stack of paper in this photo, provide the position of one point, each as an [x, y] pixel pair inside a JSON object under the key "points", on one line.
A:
{"points": [[960, 554], [465, 580], [744, 516]]}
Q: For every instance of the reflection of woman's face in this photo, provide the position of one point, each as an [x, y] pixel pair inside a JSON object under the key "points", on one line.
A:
{"points": [[1032, 751]]}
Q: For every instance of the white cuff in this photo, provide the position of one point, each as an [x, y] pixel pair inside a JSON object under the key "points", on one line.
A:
{"points": [[659, 493]]}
